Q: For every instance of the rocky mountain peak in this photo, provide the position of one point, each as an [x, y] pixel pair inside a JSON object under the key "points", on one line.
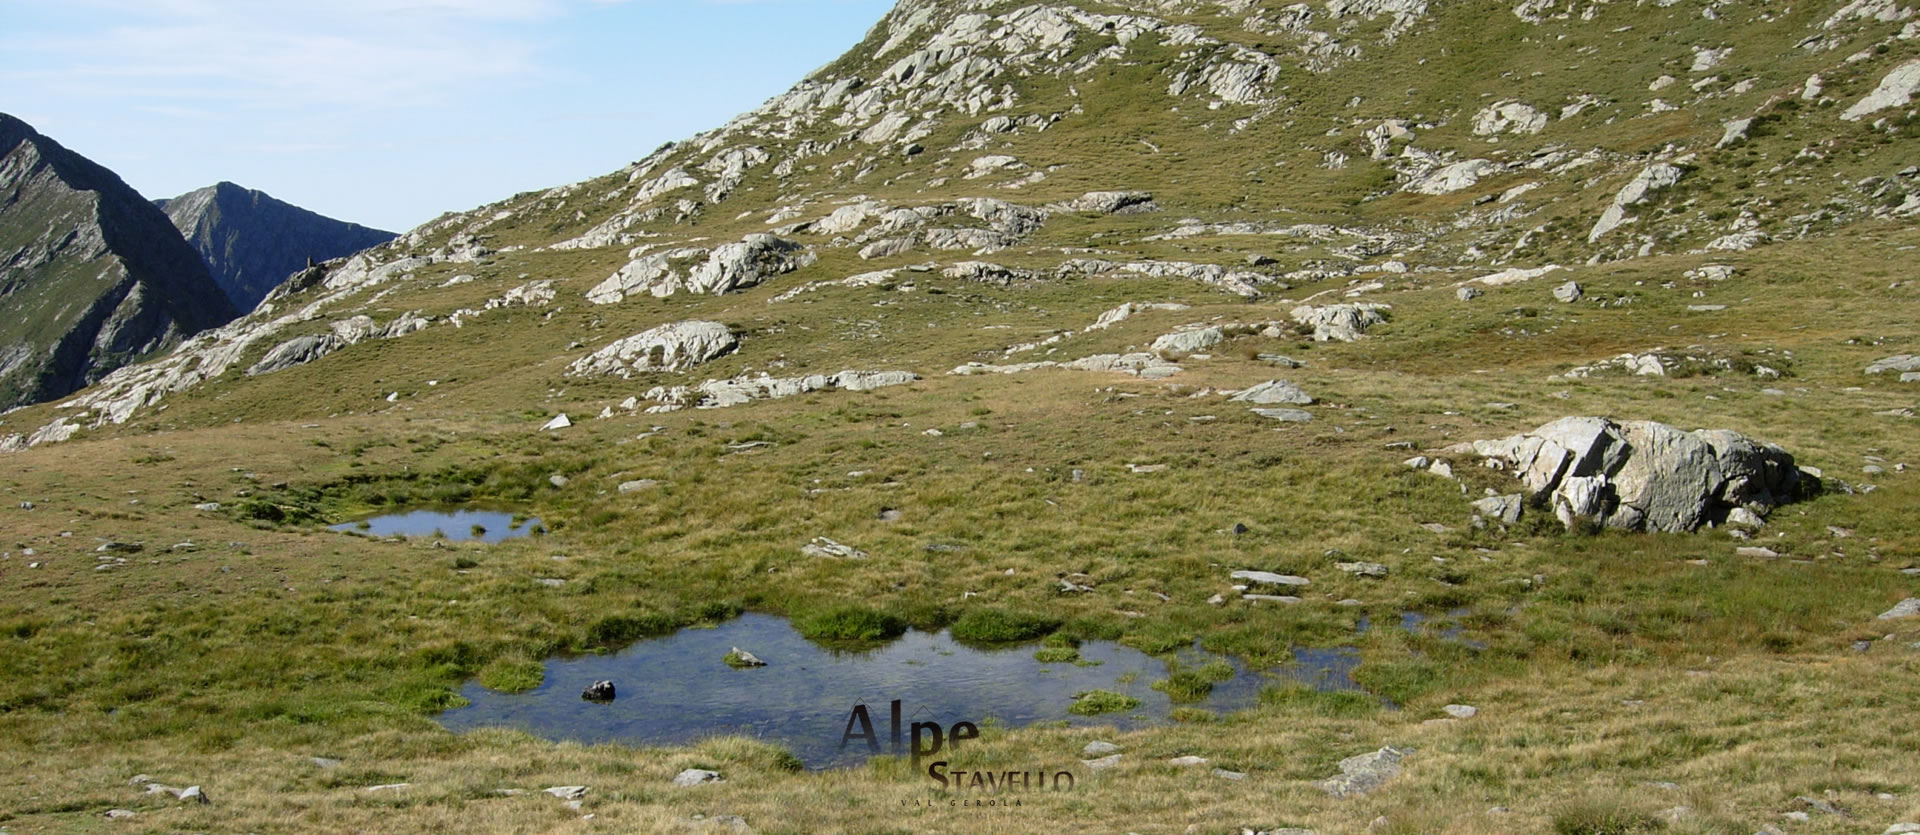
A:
{"points": [[93, 276], [252, 241]]}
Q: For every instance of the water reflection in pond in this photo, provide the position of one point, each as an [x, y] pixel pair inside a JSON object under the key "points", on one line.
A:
{"points": [[487, 526], [677, 689]]}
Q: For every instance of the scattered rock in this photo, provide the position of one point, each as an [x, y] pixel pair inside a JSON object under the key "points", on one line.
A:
{"points": [[1467, 294], [1108, 203], [599, 691], [1191, 341], [1755, 552], [1270, 578], [1271, 598], [1365, 772], [558, 481], [1897, 362], [1508, 117], [119, 814], [720, 394], [389, 787], [697, 777], [1188, 760], [1229, 775], [1896, 89], [1285, 415], [208, 507], [1461, 711], [1103, 763], [1362, 569], [1652, 178], [559, 422], [567, 792], [677, 346], [325, 762], [1506, 508], [1274, 391], [638, 485], [726, 268], [1340, 322], [1568, 293], [1098, 749], [824, 547], [1907, 608]]}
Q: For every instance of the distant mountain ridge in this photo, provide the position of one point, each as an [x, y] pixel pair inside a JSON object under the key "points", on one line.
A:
{"points": [[252, 241], [92, 275]]}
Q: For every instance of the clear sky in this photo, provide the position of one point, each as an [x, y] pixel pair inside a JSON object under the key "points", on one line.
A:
{"points": [[389, 112]]}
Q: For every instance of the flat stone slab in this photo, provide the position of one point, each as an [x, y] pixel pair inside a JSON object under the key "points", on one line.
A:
{"points": [[1270, 578], [1285, 415]]}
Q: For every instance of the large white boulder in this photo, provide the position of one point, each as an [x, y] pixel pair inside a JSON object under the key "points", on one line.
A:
{"points": [[1641, 475]]}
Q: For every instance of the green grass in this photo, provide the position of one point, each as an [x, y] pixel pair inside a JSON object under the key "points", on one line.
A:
{"points": [[850, 625], [1192, 685], [512, 676], [1298, 699], [1096, 702], [1056, 655], [1603, 659], [1000, 626]]}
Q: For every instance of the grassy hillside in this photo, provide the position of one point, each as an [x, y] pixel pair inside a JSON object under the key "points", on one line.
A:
{"points": [[1619, 676]]}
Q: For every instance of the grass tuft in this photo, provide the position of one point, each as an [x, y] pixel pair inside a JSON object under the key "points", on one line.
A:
{"points": [[1096, 702], [1001, 626], [850, 625]]}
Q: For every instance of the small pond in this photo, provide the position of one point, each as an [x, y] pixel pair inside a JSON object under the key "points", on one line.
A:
{"points": [[677, 690], [487, 526]]}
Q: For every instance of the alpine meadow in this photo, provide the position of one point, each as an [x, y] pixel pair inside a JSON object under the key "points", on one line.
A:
{"points": [[1411, 416]]}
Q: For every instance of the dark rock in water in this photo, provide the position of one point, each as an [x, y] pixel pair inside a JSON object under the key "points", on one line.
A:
{"points": [[599, 691]]}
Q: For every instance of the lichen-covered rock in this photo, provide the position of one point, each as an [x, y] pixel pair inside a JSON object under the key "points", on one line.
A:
{"points": [[1189, 341], [1508, 117], [1452, 177], [726, 268], [299, 350], [1274, 392], [1896, 89], [676, 346], [1895, 363], [1108, 203], [1340, 322], [719, 394], [1652, 178], [1366, 772]]}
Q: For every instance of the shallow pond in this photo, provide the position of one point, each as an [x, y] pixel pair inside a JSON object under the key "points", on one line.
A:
{"points": [[488, 526], [677, 690]]}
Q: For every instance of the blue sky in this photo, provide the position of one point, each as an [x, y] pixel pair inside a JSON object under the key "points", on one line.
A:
{"points": [[389, 112]]}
